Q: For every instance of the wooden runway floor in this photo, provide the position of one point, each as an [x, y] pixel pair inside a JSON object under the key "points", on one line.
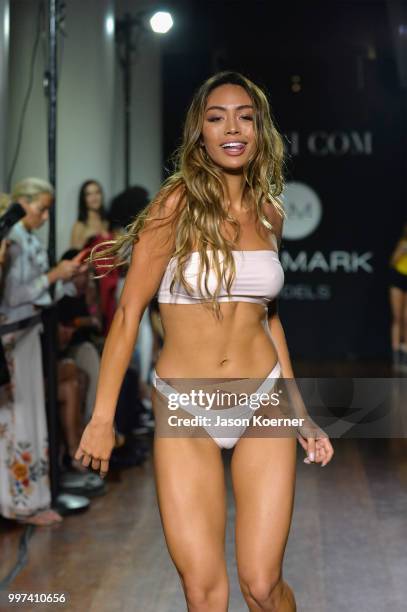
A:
{"points": [[347, 548]]}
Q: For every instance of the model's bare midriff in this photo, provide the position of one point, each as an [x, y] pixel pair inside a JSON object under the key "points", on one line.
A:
{"points": [[196, 344]]}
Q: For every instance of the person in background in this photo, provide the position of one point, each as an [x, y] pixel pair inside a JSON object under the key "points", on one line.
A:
{"points": [[80, 325], [85, 328], [92, 217], [123, 209], [398, 301], [4, 372], [90, 229], [24, 464], [5, 243], [72, 388]]}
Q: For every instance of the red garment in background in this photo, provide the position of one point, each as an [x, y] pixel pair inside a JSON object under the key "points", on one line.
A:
{"points": [[107, 284]]}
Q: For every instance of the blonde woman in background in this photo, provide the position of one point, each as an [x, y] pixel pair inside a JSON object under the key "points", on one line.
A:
{"points": [[398, 301], [24, 465]]}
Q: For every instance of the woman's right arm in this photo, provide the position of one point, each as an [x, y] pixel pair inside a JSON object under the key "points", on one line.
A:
{"points": [[150, 256], [17, 292]]}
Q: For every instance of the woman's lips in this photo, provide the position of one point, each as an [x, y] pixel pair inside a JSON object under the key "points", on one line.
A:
{"points": [[234, 151]]}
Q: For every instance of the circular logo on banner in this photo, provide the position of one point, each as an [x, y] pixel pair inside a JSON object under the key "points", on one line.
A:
{"points": [[303, 208]]}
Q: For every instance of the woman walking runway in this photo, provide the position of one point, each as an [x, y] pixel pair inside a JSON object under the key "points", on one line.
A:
{"points": [[208, 245]]}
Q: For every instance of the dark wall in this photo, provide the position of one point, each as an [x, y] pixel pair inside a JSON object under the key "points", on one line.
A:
{"points": [[345, 134]]}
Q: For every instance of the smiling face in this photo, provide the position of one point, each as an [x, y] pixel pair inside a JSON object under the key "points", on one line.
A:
{"points": [[228, 127]]}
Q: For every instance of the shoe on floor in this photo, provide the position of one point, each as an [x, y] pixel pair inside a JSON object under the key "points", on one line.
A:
{"points": [[90, 484]]}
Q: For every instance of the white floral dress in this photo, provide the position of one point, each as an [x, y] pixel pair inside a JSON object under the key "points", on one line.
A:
{"points": [[24, 462]]}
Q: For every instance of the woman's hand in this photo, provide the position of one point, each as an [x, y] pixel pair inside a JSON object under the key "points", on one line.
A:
{"points": [[316, 443], [96, 445], [312, 438], [65, 270], [83, 267]]}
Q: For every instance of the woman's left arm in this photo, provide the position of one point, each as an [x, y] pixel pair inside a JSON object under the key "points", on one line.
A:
{"points": [[313, 440], [275, 326], [280, 342], [311, 437]]}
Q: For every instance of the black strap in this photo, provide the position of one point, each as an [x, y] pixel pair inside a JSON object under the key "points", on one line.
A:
{"points": [[17, 325]]}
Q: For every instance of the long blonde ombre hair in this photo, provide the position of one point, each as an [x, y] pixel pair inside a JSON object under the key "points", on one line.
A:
{"points": [[201, 182]]}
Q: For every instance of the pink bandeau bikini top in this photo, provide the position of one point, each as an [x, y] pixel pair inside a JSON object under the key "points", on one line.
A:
{"points": [[259, 278]]}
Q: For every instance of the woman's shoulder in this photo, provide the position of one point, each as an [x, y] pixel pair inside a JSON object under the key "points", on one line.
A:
{"points": [[79, 225], [175, 199], [168, 206], [273, 215], [16, 232], [79, 230], [78, 234], [160, 226], [19, 235]]}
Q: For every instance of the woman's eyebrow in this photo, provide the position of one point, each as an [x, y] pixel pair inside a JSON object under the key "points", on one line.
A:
{"points": [[224, 107]]}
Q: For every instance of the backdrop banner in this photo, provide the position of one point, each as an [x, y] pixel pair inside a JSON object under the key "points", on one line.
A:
{"points": [[343, 118]]}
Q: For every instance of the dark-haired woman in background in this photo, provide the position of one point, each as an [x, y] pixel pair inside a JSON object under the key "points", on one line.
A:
{"points": [[92, 218], [92, 228]]}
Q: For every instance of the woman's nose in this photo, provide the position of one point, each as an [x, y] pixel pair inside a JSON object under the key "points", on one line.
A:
{"points": [[231, 126]]}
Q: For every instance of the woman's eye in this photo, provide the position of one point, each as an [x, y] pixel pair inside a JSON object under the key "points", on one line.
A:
{"points": [[249, 117]]}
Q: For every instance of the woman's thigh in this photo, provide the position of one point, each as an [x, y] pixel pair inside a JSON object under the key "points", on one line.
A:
{"points": [[263, 476], [191, 494]]}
